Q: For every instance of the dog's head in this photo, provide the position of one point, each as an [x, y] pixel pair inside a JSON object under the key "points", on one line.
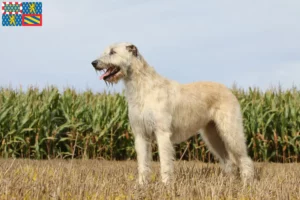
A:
{"points": [[116, 61]]}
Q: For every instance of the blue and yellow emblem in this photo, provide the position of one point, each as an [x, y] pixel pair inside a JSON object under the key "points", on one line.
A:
{"points": [[32, 20], [32, 7], [22, 13], [11, 20]]}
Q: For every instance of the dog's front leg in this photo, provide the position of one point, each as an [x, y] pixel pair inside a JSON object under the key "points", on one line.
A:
{"points": [[142, 147], [166, 155]]}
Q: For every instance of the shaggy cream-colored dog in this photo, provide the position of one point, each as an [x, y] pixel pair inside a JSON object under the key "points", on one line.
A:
{"points": [[170, 112]]}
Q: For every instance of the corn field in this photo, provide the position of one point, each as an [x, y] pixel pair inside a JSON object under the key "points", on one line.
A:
{"points": [[47, 124]]}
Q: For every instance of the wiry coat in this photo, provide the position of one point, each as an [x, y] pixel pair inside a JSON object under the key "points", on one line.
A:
{"points": [[170, 112]]}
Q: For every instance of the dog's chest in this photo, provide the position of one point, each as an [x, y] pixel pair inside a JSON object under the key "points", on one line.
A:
{"points": [[142, 119], [149, 111]]}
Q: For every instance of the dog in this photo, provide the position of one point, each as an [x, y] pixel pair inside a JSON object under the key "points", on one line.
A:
{"points": [[170, 112]]}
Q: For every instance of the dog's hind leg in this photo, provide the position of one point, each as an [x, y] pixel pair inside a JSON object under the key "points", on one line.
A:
{"points": [[216, 146], [230, 126]]}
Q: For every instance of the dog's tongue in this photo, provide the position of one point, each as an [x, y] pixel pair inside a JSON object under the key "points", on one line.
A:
{"points": [[105, 74]]}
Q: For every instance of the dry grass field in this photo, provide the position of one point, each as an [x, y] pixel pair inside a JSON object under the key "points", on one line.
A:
{"points": [[95, 179]]}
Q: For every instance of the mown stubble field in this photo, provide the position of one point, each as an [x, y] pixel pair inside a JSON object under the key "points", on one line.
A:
{"points": [[96, 179]]}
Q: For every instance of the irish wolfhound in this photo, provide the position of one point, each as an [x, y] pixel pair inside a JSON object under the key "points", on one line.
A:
{"points": [[170, 112]]}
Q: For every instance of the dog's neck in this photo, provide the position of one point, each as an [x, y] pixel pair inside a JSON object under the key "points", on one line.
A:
{"points": [[142, 79]]}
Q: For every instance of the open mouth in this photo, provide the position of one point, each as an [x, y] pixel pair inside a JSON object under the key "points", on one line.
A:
{"points": [[110, 73]]}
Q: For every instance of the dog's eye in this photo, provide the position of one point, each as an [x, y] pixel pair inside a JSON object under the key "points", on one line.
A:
{"points": [[112, 52]]}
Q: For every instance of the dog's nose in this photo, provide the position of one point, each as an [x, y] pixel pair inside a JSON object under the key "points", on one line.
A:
{"points": [[94, 63]]}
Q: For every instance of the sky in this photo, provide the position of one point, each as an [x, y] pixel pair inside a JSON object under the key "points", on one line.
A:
{"points": [[250, 43]]}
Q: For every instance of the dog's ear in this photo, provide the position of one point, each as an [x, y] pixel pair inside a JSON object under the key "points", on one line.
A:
{"points": [[132, 49]]}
